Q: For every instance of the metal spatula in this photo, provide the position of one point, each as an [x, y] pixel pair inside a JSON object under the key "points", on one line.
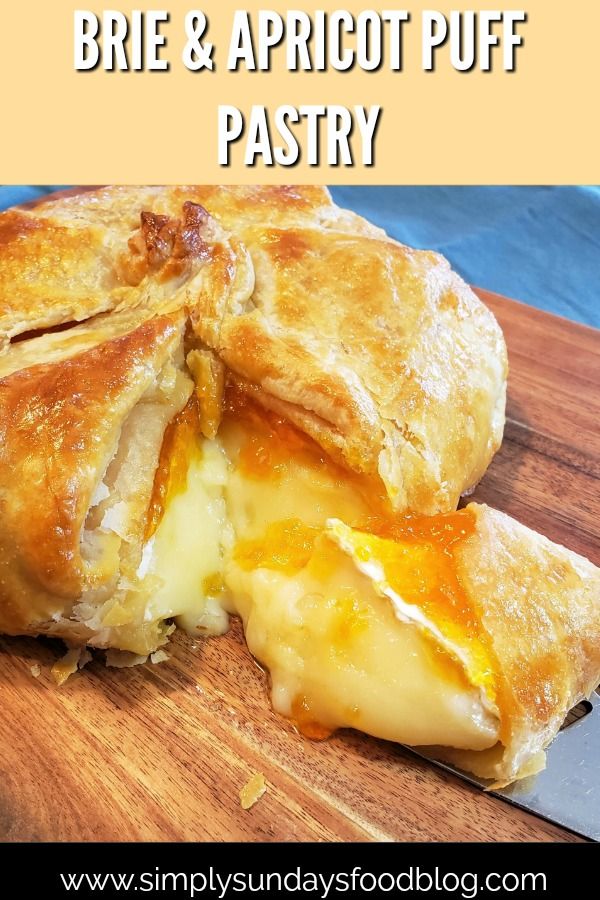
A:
{"points": [[567, 792]]}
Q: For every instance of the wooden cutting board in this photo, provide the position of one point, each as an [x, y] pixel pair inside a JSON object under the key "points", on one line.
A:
{"points": [[160, 752]]}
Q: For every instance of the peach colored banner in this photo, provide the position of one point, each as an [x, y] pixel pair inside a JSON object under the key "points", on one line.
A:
{"points": [[538, 123]]}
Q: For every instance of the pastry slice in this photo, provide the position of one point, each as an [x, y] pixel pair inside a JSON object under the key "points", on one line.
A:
{"points": [[464, 630]]}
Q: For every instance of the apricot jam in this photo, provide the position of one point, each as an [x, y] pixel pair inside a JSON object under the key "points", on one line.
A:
{"points": [[417, 555], [286, 546], [182, 442], [271, 440], [418, 558], [305, 721]]}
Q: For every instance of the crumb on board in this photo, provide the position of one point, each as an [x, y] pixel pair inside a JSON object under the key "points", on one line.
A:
{"points": [[63, 668], [253, 790], [159, 656], [36, 670]]}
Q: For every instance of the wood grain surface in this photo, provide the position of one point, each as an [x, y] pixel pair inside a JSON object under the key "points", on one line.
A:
{"points": [[160, 752]]}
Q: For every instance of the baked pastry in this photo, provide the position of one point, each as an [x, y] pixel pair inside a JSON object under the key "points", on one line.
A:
{"points": [[464, 630], [379, 351], [271, 408], [81, 429], [119, 260]]}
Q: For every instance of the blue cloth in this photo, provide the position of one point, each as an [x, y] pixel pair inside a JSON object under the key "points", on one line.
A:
{"points": [[10, 194], [540, 245]]}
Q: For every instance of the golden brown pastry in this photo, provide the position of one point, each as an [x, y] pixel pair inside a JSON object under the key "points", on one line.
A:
{"points": [[84, 408], [117, 248], [380, 352], [82, 418], [396, 369], [271, 408]]}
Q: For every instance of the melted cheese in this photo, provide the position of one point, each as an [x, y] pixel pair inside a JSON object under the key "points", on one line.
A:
{"points": [[357, 630], [339, 650], [186, 551], [415, 568], [279, 473], [187, 531], [338, 657]]}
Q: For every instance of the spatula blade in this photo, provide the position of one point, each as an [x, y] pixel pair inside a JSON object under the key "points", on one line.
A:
{"points": [[567, 792]]}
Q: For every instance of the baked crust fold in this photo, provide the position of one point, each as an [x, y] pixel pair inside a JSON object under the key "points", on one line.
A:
{"points": [[380, 352], [66, 260], [81, 431], [540, 605]]}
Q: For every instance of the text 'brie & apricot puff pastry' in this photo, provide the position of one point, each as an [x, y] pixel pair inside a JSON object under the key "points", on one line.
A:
{"points": [[270, 408]]}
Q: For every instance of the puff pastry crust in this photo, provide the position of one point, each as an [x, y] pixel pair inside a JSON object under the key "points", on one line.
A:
{"points": [[464, 629], [540, 605], [97, 410], [122, 309], [84, 407], [117, 248], [380, 352]]}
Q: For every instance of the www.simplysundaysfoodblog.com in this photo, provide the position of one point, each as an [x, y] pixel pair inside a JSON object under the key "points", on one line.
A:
{"points": [[414, 879]]}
